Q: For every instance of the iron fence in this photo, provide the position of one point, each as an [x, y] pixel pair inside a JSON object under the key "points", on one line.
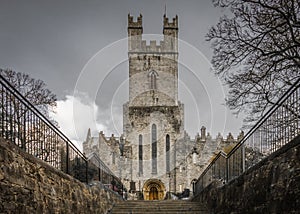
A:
{"points": [[98, 171], [22, 124], [276, 128]]}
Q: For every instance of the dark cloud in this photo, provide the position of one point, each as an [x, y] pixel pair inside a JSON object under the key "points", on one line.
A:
{"points": [[53, 40]]}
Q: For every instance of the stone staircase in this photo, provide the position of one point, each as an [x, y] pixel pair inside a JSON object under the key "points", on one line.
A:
{"points": [[162, 207]]}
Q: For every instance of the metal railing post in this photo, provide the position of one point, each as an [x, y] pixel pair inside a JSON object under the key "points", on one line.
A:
{"points": [[243, 158], [227, 170], [67, 159], [86, 171], [273, 137], [24, 125]]}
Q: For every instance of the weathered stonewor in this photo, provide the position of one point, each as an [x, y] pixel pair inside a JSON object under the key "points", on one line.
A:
{"points": [[271, 186], [28, 185]]}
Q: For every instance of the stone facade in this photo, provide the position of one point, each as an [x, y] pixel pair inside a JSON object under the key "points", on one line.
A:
{"points": [[154, 145], [29, 185]]}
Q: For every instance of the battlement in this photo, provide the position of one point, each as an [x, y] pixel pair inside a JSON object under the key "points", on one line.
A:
{"points": [[229, 139], [135, 24], [153, 47], [136, 44], [168, 24]]}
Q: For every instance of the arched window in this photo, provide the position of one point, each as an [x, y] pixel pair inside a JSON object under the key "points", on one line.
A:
{"points": [[167, 153], [153, 78], [140, 154], [113, 158], [154, 149]]}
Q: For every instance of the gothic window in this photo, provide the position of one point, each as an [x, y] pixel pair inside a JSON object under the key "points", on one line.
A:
{"points": [[140, 154], [168, 153], [113, 158], [153, 79], [154, 149]]}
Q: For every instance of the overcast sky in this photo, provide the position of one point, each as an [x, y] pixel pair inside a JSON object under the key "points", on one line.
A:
{"points": [[80, 46]]}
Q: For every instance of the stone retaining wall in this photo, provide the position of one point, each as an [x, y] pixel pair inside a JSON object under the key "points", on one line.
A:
{"points": [[272, 186], [28, 185]]}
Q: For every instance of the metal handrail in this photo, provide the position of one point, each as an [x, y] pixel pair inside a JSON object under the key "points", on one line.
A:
{"points": [[40, 135], [280, 101], [33, 108], [235, 166]]}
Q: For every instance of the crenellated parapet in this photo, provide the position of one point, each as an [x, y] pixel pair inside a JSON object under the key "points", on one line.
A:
{"points": [[173, 24], [153, 47], [137, 45], [135, 24], [102, 142], [219, 138]]}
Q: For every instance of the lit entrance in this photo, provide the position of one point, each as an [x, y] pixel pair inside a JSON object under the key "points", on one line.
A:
{"points": [[153, 195], [154, 189]]}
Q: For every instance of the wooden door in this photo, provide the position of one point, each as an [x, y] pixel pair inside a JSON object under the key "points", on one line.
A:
{"points": [[153, 195]]}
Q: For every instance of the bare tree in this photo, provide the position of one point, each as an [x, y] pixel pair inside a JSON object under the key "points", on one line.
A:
{"points": [[33, 90], [19, 122], [256, 52]]}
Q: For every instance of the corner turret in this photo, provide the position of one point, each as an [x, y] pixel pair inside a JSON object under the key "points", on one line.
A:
{"points": [[137, 45], [170, 32], [135, 31]]}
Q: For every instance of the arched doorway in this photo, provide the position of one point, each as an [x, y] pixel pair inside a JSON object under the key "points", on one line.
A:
{"points": [[154, 189], [153, 194]]}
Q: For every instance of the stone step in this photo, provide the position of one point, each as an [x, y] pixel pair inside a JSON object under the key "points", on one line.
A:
{"points": [[158, 211], [156, 203], [150, 204], [114, 211], [165, 207], [160, 208]]}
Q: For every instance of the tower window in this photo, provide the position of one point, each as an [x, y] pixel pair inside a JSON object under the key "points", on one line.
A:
{"points": [[153, 79], [167, 153], [154, 149], [140, 154], [113, 158]]}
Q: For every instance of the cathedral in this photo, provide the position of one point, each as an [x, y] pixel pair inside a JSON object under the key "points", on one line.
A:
{"points": [[155, 156]]}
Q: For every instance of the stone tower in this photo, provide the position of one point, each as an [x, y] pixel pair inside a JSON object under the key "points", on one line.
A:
{"points": [[155, 155], [153, 116]]}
